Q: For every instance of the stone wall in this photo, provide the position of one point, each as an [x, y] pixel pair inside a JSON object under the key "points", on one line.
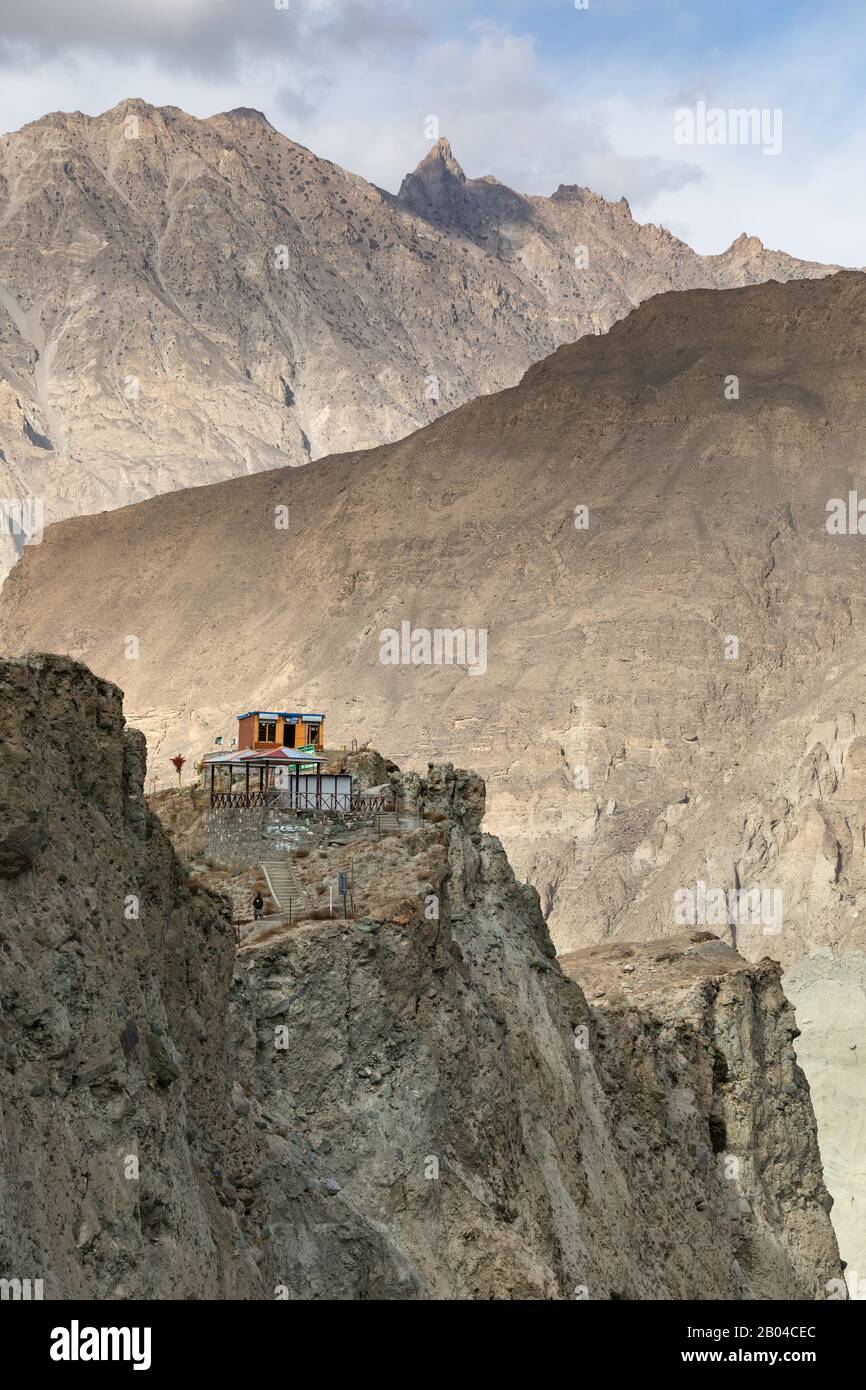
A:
{"points": [[235, 837]]}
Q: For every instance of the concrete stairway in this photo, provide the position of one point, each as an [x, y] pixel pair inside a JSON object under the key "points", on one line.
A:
{"points": [[284, 885], [397, 822]]}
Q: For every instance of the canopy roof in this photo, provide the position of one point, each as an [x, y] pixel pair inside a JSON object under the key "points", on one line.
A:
{"points": [[276, 755], [280, 714]]}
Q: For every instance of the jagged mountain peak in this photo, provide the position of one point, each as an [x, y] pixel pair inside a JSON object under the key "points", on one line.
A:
{"points": [[437, 187], [577, 193], [747, 243], [440, 157], [248, 113]]}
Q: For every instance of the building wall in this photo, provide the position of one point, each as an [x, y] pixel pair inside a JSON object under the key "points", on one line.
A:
{"points": [[302, 725], [248, 731]]}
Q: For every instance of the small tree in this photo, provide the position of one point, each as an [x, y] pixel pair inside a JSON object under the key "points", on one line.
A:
{"points": [[178, 760]]}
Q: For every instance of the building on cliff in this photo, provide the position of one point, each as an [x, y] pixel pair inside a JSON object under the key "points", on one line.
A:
{"points": [[278, 754], [266, 729]]}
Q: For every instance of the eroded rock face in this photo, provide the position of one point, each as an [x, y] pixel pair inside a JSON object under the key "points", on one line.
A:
{"points": [[415, 1104], [114, 975], [696, 1047], [514, 1141], [20, 847]]}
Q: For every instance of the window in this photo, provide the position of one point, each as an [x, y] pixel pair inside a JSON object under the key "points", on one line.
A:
{"points": [[312, 733], [267, 731]]}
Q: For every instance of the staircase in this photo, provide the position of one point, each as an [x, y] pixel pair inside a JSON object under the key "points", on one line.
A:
{"points": [[397, 822], [284, 886]]}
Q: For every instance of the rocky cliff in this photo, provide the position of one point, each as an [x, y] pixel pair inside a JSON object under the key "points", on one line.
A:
{"points": [[417, 1103], [113, 987], [183, 300]]}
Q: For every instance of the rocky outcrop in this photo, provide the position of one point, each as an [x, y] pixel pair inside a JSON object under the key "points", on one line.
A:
{"points": [[183, 301], [415, 1103], [516, 1142], [695, 1045], [113, 986]]}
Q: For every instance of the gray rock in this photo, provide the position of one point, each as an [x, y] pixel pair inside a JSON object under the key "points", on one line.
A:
{"points": [[20, 848]]}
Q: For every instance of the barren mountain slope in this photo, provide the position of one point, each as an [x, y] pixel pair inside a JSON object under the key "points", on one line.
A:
{"points": [[402, 1106], [184, 300], [630, 753]]}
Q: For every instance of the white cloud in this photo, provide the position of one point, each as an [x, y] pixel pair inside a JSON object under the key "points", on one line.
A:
{"points": [[212, 37], [809, 199], [502, 113]]}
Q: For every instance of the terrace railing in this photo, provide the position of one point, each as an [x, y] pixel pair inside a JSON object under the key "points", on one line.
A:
{"points": [[335, 803], [233, 801]]}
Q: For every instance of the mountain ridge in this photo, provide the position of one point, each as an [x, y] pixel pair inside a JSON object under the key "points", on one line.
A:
{"points": [[186, 300]]}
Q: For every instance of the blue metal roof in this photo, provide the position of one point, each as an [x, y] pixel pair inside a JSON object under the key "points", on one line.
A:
{"points": [[279, 714]]}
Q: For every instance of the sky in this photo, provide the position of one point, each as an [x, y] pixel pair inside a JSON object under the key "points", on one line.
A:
{"points": [[603, 93]]}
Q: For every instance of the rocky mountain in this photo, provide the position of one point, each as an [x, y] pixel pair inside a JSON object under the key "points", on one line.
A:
{"points": [[403, 1105], [671, 690], [183, 301]]}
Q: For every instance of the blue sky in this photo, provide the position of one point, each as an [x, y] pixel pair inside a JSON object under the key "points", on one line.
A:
{"points": [[661, 29], [536, 93]]}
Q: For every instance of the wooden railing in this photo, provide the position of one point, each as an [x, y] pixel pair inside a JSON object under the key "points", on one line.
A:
{"points": [[372, 805], [232, 801], [336, 803]]}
